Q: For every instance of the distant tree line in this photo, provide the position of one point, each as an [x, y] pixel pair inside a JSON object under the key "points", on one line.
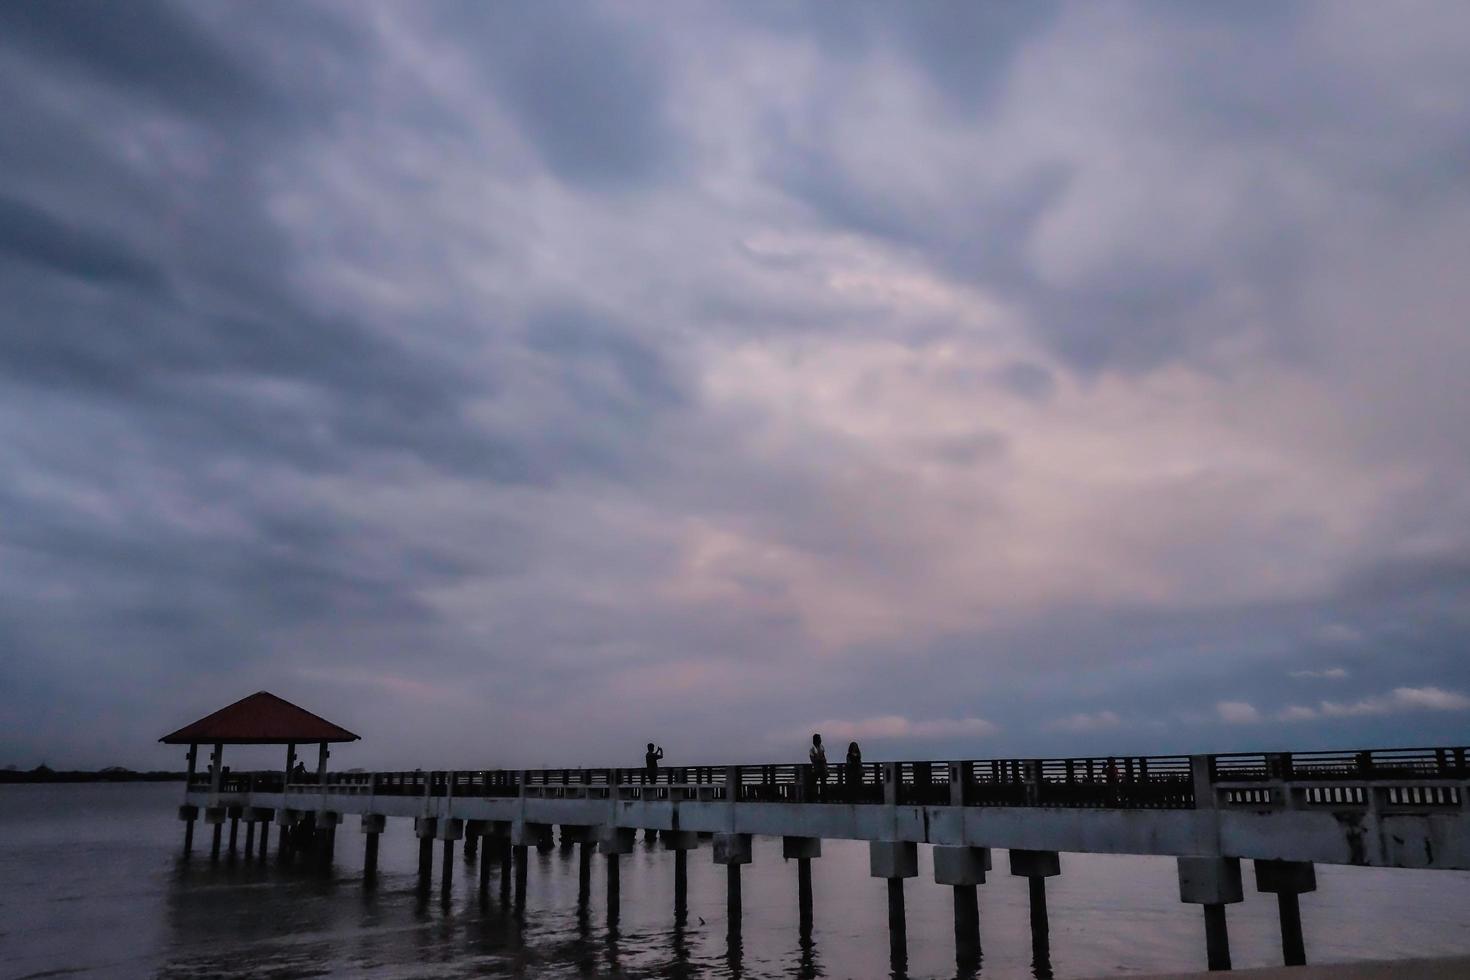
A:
{"points": [[112, 774]]}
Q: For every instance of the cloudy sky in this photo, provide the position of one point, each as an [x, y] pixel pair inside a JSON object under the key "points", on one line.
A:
{"points": [[515, 383]]}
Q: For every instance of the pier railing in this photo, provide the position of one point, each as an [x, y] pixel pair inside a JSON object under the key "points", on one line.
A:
{"points": [[1418, 778]]}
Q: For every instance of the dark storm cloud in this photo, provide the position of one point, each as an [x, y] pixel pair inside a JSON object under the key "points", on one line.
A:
{"points": [[29, 235], [589, 92], [153, 50], [730, 369]]}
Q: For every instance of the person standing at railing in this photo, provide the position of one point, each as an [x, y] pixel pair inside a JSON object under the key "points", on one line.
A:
{"points": [[818, 756], [298, 775], [852, 771], [650, 762]]}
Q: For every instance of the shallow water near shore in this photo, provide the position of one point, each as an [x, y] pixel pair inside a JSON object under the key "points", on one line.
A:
{"points": [[94, 885]]}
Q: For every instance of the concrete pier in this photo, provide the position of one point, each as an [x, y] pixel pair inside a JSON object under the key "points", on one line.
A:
{"points": [[372, 828], [1407, 808]]}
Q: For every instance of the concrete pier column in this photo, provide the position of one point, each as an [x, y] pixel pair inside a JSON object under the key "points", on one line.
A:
{"points": [[372, 829], [732, 850], [284, 819], [214, 816], [1036, 867], [681, 842], [448, 830], [188, 813], [1212, 883], [265, 840], [502, 850], [614, 842], [584, 873], [1287, 880], [424, 828], [802, 850], [895, 861], [524, 836], [249, 839], [326, 822], [614, 888], [234, 812], [520, 856], [963, 869], [471, 846]]}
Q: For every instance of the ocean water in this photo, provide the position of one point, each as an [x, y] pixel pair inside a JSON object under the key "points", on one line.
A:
{"points": [[91, 884]]}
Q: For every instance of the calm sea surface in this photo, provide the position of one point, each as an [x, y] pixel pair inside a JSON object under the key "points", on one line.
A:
{"points": [[91, 884]]}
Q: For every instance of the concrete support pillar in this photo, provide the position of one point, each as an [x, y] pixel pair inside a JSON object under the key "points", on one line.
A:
{"points": [[895, 861], [471, 846], [681, 842], [963, 869], [265, 840], [484, 884], [214, 816], [424, 828], [1288, 880], [234, 831], [372, 829], [584, 873], [188, 813], [448, 830], [1212, 883], [249, 839], [898, 943], [521, 855], [614, 888], [1036, 867], [802, 850], [325, 838], [502, 845], [732, 850], [215, 844]]}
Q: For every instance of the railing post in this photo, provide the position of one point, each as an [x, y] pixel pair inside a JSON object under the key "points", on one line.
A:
{"points": [[890, 783], [1202, 777], [959, 780]]}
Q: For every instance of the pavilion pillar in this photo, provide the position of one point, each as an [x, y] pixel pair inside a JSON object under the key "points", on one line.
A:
{"points": [[188, 813]]}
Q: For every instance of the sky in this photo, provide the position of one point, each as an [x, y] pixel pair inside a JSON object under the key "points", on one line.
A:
{"points": [[514, 384]]}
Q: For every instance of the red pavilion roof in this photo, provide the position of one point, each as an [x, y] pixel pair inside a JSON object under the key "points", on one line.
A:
{"points": [[260, 719]]}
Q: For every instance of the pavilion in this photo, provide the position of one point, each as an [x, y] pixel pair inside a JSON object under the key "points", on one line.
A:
{"points": [[260, 719]]}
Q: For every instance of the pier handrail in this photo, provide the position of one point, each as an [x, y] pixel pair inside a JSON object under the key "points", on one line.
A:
{"points": [[1127, 782]]}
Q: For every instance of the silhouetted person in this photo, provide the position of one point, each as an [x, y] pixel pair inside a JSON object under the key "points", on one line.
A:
{"points": [[650, 762], [298, 775], [852, 770], [818, 757]]}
